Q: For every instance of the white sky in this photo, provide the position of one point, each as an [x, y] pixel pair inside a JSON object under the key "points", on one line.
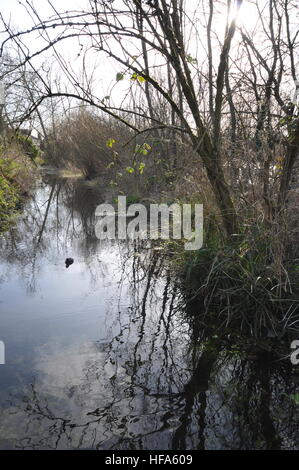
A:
{"points": [[106, 70], [11, 9]]}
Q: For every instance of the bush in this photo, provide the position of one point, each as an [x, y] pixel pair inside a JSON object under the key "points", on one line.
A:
{"points": [[28, 146], [81, 141]]}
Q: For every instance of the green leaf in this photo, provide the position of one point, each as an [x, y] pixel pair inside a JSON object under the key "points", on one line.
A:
{"points": [[295, 397], [190, 59], [110, 142], [119, 76], [143, 150], [135, 76], [129, 169], [141, 168]]}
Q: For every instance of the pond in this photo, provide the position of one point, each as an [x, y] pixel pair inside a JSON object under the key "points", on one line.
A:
{"points": [[107, 353]]}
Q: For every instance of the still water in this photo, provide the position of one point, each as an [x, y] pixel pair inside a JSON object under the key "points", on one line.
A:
{"points": [[106, 355]]}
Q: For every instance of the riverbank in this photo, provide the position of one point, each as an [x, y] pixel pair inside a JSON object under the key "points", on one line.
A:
{"points": [[19, 160], [249, 282]]}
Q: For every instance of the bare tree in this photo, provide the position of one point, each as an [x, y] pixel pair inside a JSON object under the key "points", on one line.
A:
{"points": [[216, 90]]}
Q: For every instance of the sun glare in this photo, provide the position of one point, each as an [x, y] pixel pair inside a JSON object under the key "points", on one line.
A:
{"points": [[246, 16]]}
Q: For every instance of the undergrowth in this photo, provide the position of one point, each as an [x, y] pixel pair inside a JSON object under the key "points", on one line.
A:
{"points": [[17, 173], [248, 281]]}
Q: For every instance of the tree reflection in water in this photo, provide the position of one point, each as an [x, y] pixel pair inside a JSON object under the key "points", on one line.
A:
{"points": [[158, 379]]}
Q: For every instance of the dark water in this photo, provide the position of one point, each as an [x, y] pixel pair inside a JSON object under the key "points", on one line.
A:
{"points": [[106, 354]]}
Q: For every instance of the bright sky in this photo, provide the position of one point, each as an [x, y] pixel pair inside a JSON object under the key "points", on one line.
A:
{"points": [[105, 72], [104, 76]]}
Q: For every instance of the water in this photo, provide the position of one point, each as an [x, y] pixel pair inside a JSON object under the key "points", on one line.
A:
{"points": [[107, 355]]}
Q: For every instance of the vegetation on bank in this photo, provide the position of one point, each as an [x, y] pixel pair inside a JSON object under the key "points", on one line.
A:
{"points": [[196, 112], [249, 282], [100, 147], [19, 158]]}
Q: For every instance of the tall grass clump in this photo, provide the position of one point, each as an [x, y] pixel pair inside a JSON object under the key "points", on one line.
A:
{"points": [[248, 281]]}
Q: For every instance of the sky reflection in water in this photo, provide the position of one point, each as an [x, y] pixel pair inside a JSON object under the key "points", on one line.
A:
{"points": [[102, 354]]}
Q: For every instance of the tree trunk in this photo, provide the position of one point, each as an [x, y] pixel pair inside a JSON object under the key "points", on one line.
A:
{"points": [[289, 164], [222, 194], [289, 186], [292, 199]]}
